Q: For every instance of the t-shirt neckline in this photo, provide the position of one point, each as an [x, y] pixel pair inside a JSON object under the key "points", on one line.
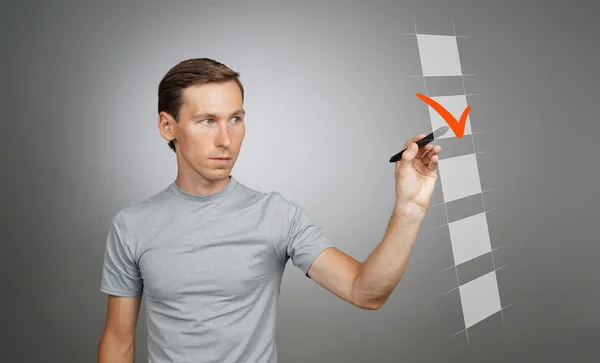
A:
{"points": [[204, 198]]}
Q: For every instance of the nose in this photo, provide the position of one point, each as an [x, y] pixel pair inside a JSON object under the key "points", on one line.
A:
{"points": [[222, 139]]}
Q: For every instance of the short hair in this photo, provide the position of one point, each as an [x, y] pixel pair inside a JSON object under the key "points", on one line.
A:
{"points": [[188, 73]]}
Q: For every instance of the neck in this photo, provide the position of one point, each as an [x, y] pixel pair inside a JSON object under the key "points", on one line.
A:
{"points": [[192, 182], [200, 185]]}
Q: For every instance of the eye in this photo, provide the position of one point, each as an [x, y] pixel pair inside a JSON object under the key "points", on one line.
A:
{"points": [[210, 120]]}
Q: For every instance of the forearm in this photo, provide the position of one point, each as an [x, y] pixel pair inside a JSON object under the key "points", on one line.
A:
{"points": [[382, 270], [114, 350]]}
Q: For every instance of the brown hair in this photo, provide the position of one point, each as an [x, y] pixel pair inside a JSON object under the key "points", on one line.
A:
{"points": [[188, 73]]}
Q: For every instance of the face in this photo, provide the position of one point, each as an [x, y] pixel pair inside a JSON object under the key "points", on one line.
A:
{"points": [[211, 126]]}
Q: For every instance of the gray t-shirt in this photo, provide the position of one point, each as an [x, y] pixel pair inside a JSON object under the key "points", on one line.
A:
{"points": [[210, 269]]}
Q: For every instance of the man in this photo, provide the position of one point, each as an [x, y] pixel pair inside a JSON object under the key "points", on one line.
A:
{"points": [[208, 253]]}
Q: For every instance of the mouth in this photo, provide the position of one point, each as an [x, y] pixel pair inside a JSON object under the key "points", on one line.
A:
{"points": [[221, 160]]}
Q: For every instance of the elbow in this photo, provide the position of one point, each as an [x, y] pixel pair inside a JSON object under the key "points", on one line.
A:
{"points": [[371, 304], [367, 301], [367, 297]]}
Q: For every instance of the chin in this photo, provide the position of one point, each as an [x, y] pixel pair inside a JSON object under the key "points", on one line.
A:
{"points": [[216, 174]]}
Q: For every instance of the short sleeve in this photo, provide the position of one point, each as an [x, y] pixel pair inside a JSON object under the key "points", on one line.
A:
{"points": [[120, 273], [303, 239]]}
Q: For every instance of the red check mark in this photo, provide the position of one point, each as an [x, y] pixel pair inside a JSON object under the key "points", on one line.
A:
{"points": [[457, 126]]}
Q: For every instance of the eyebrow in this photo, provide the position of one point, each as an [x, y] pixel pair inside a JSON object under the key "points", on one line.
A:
{"points": [[204, 115]]}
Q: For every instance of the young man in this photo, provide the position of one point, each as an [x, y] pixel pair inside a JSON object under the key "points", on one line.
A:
{"points": [[208, 253]]}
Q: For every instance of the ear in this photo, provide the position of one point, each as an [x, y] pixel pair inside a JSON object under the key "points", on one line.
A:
{"points": [[166, 126]]}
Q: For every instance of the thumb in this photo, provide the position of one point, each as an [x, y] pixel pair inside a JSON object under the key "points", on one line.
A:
{"points": [[408, 156]]}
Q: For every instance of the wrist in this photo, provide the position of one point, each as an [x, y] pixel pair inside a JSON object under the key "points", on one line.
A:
{"points": [[409, 213]]}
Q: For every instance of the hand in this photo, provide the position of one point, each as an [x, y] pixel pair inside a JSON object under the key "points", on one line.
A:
{"points": [[416, 176]]}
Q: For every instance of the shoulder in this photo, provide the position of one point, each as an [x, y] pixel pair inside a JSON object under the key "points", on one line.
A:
{"points": [[275, 205], [139, 212], [273, 200], [283, 209]]}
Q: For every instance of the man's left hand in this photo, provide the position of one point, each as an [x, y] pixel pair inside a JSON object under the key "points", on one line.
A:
{"points": [[416, 177]]}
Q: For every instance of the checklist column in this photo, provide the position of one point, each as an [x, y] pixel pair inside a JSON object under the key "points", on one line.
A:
{"points": [[460, 181]]}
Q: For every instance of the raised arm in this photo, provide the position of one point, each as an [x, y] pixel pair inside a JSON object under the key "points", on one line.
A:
{"points": [[369, 284], [117, 344]]}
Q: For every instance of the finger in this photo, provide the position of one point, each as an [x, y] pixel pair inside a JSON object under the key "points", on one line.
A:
{"points": [[408, 156], [435, 151], [433, 164], [424, 150], [413, 139], [418, 137]]}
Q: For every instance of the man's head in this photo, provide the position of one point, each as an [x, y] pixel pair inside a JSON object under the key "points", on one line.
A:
{"points": [[201, 115]]}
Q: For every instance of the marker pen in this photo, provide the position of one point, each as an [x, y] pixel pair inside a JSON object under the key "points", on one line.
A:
{"points": [[424, 141]]}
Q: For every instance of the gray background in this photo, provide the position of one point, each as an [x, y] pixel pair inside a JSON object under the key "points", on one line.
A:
{"points": [[329, 100]]}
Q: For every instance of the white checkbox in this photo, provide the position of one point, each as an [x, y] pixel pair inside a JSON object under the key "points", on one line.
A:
{"points": [[439, 55], [480, 299], [470, 238], [456, 106], [459, 177]]}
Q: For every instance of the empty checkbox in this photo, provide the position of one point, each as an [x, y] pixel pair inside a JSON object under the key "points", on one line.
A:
{"points": [[480, 299], [470, 238], [439, 55], [459, 177]]}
